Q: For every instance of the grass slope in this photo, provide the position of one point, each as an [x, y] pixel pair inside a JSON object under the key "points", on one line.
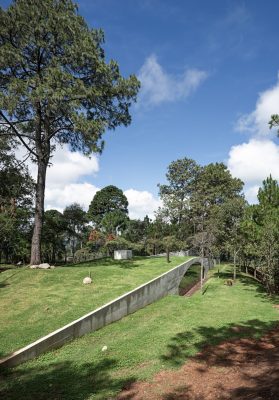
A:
{"points": [[35, 302], [160, 336]]}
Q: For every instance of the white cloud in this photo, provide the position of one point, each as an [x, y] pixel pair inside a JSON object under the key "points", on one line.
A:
{"points": [[67, 183], [256, 159], [70, 166], [251, 193], [157, 86], [252, 162], [256, 122], [60, 197], [66, 166], [65, 178], [141, 203]]}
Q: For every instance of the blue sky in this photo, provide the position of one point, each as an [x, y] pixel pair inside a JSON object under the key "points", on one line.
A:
{"points": [[209, 72]]}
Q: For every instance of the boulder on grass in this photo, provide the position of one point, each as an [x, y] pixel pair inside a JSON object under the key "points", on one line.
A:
{"points": [[44, 266], [34, 266], [87, 280], [52, 267]]}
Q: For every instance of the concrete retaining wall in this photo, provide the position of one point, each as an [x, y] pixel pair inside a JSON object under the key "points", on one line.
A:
{"points": [[167, 283]]}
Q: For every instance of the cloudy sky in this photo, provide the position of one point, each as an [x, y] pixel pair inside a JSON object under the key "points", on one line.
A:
{"points": [[209, 75]]}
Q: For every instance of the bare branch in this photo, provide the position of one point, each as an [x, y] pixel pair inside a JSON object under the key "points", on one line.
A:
{"points": [[23, 161]]}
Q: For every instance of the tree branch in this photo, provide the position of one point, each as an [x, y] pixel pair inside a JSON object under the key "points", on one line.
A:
{"points": [[16, 122], [17, 134], [23, 161], [12, 134]]}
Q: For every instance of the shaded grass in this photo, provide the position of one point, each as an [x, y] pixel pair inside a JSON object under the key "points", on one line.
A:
{"points": [[191, 277], [35, 302], [160, 336]]}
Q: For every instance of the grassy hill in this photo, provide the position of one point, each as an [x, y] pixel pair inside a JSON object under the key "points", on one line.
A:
{"points": [[160, 336], [33, 303]]}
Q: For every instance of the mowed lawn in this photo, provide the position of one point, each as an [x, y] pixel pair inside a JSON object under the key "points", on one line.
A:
{"points": [[33, 303], [160, 336]]}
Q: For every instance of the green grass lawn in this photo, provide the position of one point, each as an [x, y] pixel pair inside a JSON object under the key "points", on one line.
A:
{"points": [[33, 303], [160, 336]]}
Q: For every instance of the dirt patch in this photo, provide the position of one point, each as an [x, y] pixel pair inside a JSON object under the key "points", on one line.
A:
{"points": [[195, 288], [234, 370]]}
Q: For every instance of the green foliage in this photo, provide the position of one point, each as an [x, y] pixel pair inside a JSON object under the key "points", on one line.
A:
{"points": [[15, 235], [76, 219], [136, 230], [215, 185], [215, 194], [114, 221], [107, 200], [118, 243], [181, 176], [17, 187], [53, 235], [260, 234], [268, 195], [202, 205], [16, 201]]}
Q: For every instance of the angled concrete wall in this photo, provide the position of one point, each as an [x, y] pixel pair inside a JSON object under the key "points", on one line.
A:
{"points": [[167, 283]]}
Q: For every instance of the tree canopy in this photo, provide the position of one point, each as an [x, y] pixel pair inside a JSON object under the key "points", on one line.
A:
{"points": [[110, 199]]}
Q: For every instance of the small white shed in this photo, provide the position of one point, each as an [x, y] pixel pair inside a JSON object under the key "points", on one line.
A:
{"points": [[123, 254]]}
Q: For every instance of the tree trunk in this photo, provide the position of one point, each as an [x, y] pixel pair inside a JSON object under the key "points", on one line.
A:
{"points": [[168, 255], [39, 213], [234, 265]]}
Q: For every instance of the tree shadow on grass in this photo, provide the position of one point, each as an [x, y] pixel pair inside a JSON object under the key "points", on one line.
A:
{"points": [[257, 361], [59, 381], [221, 355], [181, 345], [248, 281], [128, 264]]}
